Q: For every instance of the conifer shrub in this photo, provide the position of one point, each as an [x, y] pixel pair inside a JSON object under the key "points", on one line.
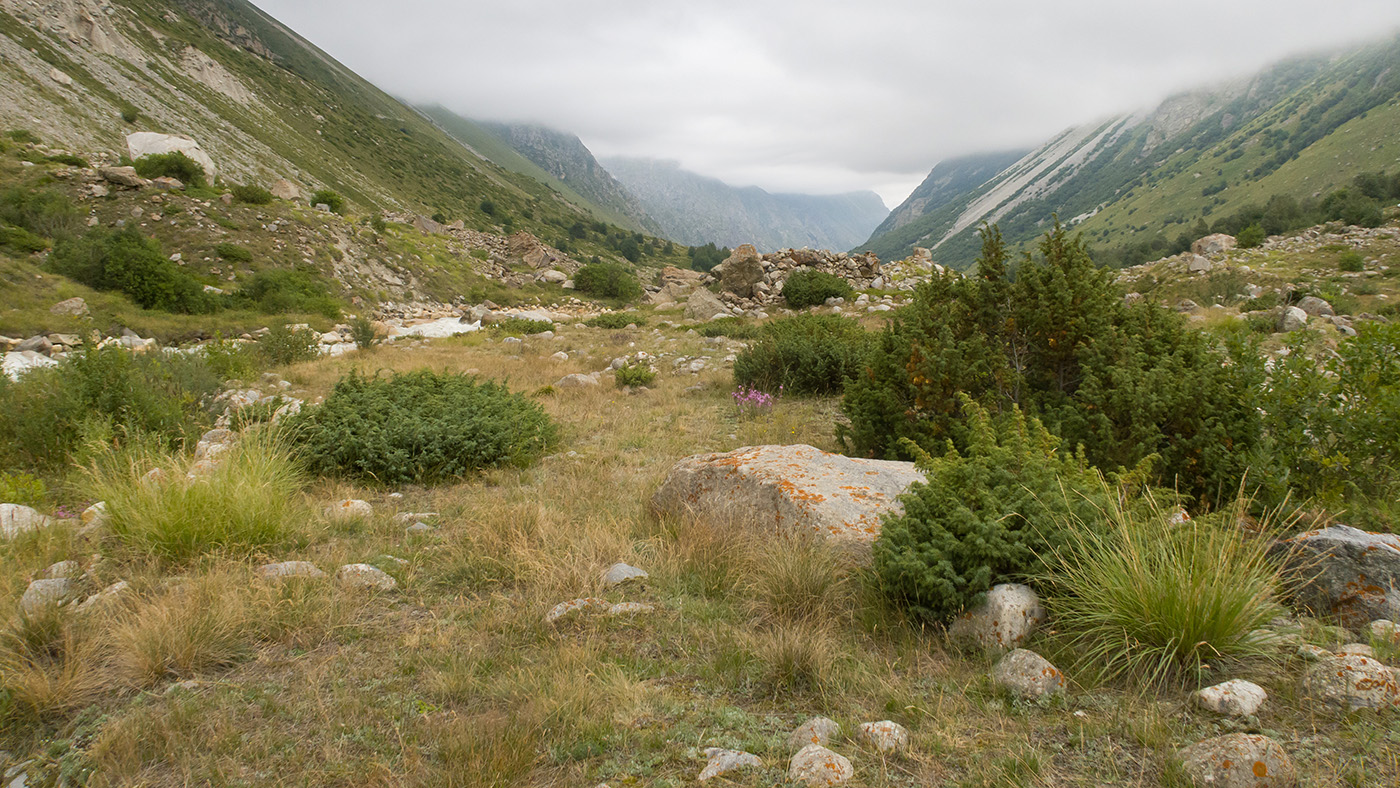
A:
{"points": [[803, 354], [172, 165], [608, 280], [251, 194], [986, 515], [69, 159], [284, 344], [330, 199], [133, 264], [615, 320], [1351, 261], [521, 325], [233, 252], [635, 374], [809, 287], [421, 427]]}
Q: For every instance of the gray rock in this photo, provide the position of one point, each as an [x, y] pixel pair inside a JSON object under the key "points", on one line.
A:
{"points": [[703, 305], [1213, 244], [38, 344], [107, 596], [75, 307], [70, 570], [1239, 760], [1291, 319], [17, 519], [1383, 631], [1349, 573], [576, 381], [1004, 620], [554, 277], [574, 608], [284, 189], [44, 593], [1316, 307], [1353, 682], [1356, 650], [1197, 264], [419, 529], [885, 736], [621, 573], [364, 576], [818, 730], [723, 761], [817, 767], [122, 176], [1028, 676], [1234, 698], [741, 271], [288, 569], [628, 609], [783, 487]]}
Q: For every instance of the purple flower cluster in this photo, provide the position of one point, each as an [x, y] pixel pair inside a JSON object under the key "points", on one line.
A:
{"points": [[752, 401]]}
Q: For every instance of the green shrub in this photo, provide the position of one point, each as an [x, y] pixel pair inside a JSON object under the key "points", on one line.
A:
{"points": [[173, 165], [615, 320], [732, 327], [45, 213], [283, 291], [607, 280], [233, 252], [329, 199], [284, 344], [130, 113], [421, 427], [635, 374], [377, 223], [23, 136], [251, 194], [1251, 237], [17, 240], [230, 359], [804, 354], [133, 264], [807, 287], [521, 325], [249, 501], [22, 488], [365, 334], [985, 516], [1351, 260], [1154, 600], [69, 159]]}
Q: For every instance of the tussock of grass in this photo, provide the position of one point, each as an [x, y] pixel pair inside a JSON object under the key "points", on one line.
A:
{"points": [[1149, 600], [194, 627], [799, 577], [250, 500], [50, 666]]}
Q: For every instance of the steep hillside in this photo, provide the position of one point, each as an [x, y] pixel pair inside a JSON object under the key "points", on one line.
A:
{"points": [[694, 209], [551, 157], [263, 102], [1299, 128]]}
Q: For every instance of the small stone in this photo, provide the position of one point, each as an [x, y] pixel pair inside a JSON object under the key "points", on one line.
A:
{"points": [[628, 609], [572, 608], [366, 577], [560, 356], [44, 593], [885, 736], [724, 761], [1004, 620], [620, 574], [817, 767], [286, 569], [1235, 698], [63, 569], [349, 509], [412, 517], [418, 529], [1028, 676], [75, 307], [105, 597], [1238, 760], [818, 730], [1385, 631], [95, 516]]}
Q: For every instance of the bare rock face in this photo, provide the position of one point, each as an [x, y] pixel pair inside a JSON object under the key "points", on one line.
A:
{"points": [[1352, 682], [704, 305], [1004, 620], [1213, 244], [284, 189], [1239, 760], [150, 143], [817, 767], [741, 271], [782, 487], [1028, 676], [1352, 574]]}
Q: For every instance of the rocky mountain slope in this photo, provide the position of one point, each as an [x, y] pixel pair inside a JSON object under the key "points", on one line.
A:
{"points": [[1299, 128], [694, 209], [262, 101]]}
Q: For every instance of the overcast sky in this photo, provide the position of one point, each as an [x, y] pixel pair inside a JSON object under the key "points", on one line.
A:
{"points": [[816, 96]]}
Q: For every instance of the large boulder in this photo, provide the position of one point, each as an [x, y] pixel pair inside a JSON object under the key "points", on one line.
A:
{"points": [[16, 519], [741, 271], [704, 305], [150, 143], [1004, 620], [122, 176], [284, 189], [1238, 760], [1353, 681], [1291, 319], [73, 307], [1213, 244], [1349, 573], [788, 487], [1315, 307]]}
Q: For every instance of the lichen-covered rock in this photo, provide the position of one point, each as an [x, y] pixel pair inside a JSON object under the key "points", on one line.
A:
{"points": [[817, 767], [1384, 631], [108, 596], [885, 736], [573, 608], [1028, 676], [17, 519], [1353, 682], [1291, 318], [1350, 573], [577, 381], [288, 569], [1004, 620], [722, 761], [787, 487], [1239, 760], [366, 577], [1213, 244], [629, 609], [1356, 650], [620, 573], [1234, 698], [1310, 653], [44, 593], [818, 730], [349, 509]]}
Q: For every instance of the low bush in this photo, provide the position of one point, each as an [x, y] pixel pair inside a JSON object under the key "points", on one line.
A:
{"points": [[284, 344], [521, 325], [732, 327], [135, 265], [172, 165], [804, 354], [1251, 237], [421, 427], [635, 374], [233, 252], [985, 516], [607, 280], [365, 333], [230, 359], [22, 488], [1151, 599], [45, 213], [17, 240], [329, 199], [69, 159], [282, 291], [250, 500], [1351, 260], [615, 320], [251, 194], [811, 288], [130, 113]]}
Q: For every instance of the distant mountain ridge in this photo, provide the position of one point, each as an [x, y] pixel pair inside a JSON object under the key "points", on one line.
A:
{"points": [[1299, 128], [694, 209]]}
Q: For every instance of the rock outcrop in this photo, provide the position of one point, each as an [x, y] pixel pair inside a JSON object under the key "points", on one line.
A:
{"points": [[150, 143], [1351, 574]]}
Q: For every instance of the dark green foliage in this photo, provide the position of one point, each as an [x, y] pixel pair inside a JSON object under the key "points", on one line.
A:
{"points": [[732, 327], [364, 333], [17, 240], [172, 165], [233, 252], [804, 354], [1351, 260], [703, 258], [1125, 382], [283, 344], [282, 291], [379, 225], [131, 263], [807, 287], [578, 231], [521, 325], [1250, 237], [68, 159], [421, 427], [23, 136], [635, 374], [608, 280], [616, 320], [1351, 207], [251, 194], [130, 113], [108, 395], [329, 199], [47, 214], [229, 359], [630, 249], [987, 515], [487, 207]]}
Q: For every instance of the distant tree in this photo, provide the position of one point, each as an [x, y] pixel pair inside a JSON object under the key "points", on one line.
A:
{"points": [[578, 230], [488, 207], [630, 249]]}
